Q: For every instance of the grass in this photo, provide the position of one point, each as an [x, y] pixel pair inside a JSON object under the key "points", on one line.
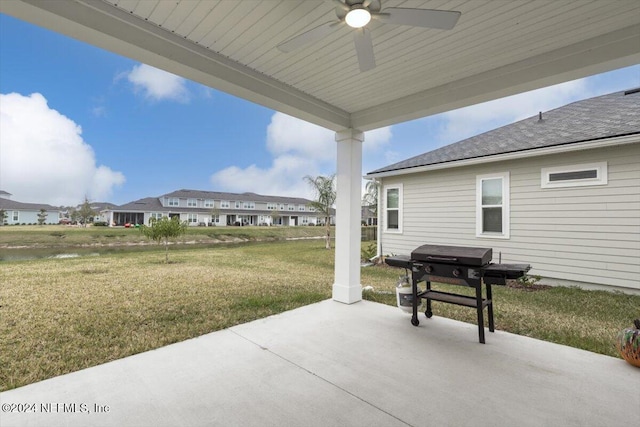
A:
{"points": [[53, 236], [62, 315]]}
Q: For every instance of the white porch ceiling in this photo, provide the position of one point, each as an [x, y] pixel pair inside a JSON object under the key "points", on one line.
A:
{"points": [[498, 48]]}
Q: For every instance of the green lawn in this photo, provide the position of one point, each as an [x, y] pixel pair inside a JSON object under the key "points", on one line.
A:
{"points": [[65, 236], [62, 315]]}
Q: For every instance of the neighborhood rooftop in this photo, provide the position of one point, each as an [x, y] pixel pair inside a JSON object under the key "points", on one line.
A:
{"points": [[606, 116], [154, 203], [7, 204], [242, 197]]}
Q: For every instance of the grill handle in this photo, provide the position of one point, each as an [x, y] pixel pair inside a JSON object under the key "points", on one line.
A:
{"points": [[443, 259]]}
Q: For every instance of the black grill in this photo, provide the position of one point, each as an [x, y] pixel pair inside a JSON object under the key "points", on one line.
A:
{"points": [[456, 265]]}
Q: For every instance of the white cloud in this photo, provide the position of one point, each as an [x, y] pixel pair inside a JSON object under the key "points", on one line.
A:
{"points": [[43, 158], [298, 148], [158, 85], [283, 178], [286, 134]]}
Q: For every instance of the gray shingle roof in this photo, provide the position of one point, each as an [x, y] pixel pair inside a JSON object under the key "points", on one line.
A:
{"points": [[152, 204], [146, 204], [7, 204], [607, 116], [243, 197]]}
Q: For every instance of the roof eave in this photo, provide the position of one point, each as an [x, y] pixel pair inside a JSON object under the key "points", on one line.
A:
{"points": [[555, 149]]}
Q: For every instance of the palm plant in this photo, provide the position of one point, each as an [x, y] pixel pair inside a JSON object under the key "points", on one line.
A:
{"points": [[325, 194]]}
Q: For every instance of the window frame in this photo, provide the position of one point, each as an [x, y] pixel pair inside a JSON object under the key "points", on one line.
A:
{"points": [[600, 179], [225, 204], [173, 201], [400, 189], [192, 203], [192, 218], [506, 206], [208, 203]]}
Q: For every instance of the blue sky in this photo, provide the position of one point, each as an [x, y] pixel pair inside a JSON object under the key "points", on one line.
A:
{"points": [[79, 121]]}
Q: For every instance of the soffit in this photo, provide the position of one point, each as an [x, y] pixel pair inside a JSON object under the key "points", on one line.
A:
{"points": [[497, 48]]}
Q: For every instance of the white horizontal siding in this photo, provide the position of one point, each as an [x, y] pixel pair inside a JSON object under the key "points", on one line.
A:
{"points": [[578, 234]]}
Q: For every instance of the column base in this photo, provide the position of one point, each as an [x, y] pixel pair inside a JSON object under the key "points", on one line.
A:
{"points": [[347, 294]]}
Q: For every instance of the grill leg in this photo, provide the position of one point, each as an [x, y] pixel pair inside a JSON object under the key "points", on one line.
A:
{"points": [[490, 308], [480, 313], [428, 312], [414, 301]]}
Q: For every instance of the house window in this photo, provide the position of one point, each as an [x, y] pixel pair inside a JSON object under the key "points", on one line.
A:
{"points": [[16, 216], [192, 218], [393, 208], [305, 220], [271, 206], [311, 209], [282, 207], [301, 208], [248, 205], [215, 219], [208, 203], [173, 201], [155, 215], [574, 175], [237, 205], [492, 205], [224, 204], [291, 207], [192, 203]]}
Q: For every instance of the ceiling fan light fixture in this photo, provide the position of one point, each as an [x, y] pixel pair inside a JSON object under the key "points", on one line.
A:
{"points": [[357, 17]]}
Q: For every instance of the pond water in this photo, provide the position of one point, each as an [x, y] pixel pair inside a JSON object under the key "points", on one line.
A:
{"points": [[21, 254]]}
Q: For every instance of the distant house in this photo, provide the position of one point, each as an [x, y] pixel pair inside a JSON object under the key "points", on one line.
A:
{"points": [[26, 213], [560, 190], [368, 215], [220, 209]]}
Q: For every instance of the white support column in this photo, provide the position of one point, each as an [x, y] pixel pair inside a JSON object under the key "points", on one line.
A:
{"points": [[347, 288]]}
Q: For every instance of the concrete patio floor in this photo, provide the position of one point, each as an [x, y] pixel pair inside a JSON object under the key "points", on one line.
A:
{"points": [[330, 364]]}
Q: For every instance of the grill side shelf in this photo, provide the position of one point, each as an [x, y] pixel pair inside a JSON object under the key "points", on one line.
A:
{"points": [[450, 298]]}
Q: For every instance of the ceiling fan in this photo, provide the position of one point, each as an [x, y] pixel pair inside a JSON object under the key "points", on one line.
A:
{"points": [[358, 13]]}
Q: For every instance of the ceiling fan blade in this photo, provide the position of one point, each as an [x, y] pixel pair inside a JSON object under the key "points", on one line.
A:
{"points": [[427, 18], [364, 49], [341, 5], [310, 36]]}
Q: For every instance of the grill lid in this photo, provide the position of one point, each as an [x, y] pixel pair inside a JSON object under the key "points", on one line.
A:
{"points": [[453, 255]]}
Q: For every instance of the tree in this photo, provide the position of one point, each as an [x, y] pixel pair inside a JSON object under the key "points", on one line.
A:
{"points": [[3, 217], [163, 229], [74, 216], [275, 216], [325, 194], [85, 213], [215, 213], [370, 198], [42, 216]]}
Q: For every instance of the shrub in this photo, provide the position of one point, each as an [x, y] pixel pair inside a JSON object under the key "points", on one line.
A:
{"points": [[528, 280], [369, 252], [100, 223]]}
